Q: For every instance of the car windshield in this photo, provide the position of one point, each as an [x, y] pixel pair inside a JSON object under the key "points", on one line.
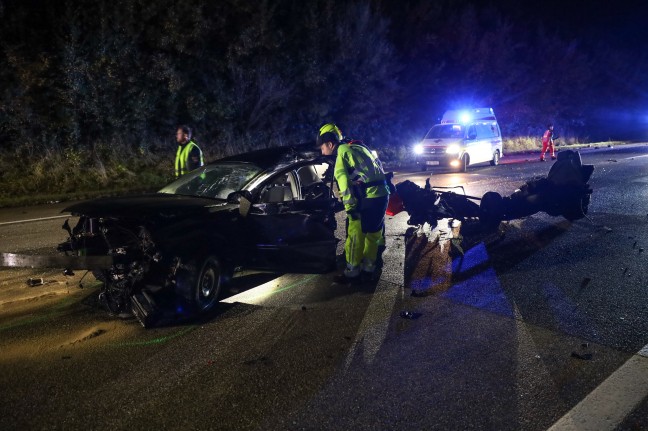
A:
{"points": [[214, 181], [444, 131]]}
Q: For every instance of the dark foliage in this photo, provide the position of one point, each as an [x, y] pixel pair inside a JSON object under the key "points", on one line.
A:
{"points": [[115, 77]]}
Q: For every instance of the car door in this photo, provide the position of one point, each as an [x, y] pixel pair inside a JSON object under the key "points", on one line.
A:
{"points": [[293, 227]]}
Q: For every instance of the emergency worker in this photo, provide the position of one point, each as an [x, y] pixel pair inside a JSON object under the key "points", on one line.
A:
{"points": [[188, 156], [364, 192], [548, 143]]}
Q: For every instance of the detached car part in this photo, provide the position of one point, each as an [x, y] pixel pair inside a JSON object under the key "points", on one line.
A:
{"points": [[563, 192]]}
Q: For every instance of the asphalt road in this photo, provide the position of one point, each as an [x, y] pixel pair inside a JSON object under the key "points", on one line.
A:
{"points": [[544, 324]]}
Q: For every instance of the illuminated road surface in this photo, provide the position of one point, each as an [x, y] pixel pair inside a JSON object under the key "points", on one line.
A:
{"points": [[543, 326]]}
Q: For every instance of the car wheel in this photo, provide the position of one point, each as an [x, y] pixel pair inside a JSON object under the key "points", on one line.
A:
{"points": [[579, 209], [200, 289], [465, 161], [491, 210], [496, 157]]}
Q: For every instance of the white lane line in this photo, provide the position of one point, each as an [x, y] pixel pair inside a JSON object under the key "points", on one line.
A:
{"points": [[32, 220], [634, 157], [609, 404]]}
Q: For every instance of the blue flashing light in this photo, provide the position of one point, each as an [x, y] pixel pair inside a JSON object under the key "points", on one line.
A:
{"points": [[465, 117]]}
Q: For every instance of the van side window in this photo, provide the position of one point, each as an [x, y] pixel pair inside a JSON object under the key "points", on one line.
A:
{"points": [[495, 131], [472, 131]]}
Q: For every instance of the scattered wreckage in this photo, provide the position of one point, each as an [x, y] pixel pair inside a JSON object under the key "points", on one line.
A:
{"points": [[563, 192]]}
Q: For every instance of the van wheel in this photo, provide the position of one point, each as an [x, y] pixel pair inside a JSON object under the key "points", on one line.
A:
{"points": [[496, 157], [465, 161]]}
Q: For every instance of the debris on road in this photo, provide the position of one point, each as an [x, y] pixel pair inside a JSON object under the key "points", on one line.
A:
{"points": [[33, 282], [607, 229], [612, 160], [634, 245], [585, 282], [582, 356], [411, 315]]}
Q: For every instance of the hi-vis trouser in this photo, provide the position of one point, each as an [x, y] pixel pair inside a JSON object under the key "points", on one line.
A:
{"points": [[365, 234], [361, 245]]}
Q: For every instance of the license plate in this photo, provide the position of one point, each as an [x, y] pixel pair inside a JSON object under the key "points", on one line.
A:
{"points": [[432, 163]]}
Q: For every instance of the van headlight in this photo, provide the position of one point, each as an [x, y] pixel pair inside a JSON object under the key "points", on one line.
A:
{"points": [[418, 149], [453, 149]]}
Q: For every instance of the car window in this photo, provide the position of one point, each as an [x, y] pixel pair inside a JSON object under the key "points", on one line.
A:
{"points": [[313, 183], [281, 188], [214, 181]]}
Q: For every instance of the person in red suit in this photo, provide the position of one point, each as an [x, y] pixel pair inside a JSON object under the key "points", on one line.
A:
{"points": [[548, 143]]}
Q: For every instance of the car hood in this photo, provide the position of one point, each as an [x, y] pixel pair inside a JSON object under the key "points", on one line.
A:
{"points": [[144, 206], [441, 142]]}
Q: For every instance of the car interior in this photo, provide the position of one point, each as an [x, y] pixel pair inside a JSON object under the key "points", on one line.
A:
{"points": [[306, 183]]}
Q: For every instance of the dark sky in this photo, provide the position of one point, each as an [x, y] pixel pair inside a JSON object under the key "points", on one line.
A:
{"points": [[622, 23]]}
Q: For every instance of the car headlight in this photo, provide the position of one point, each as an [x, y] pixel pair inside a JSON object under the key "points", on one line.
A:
{"points": [[453, 149], [418, 149]]}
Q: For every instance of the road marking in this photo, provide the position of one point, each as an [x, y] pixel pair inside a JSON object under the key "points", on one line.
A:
{"points": [[608, 405], [635, 157], [32, 220]]}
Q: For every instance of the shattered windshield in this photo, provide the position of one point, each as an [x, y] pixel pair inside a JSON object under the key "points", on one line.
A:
{"points": [[214, 181], [444, 131]]}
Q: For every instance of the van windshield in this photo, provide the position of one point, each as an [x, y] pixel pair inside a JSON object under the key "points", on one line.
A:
{"points": [[445, 131]]}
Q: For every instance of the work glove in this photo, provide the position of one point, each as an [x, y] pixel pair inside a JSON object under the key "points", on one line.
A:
{"points": [[353, 214]]}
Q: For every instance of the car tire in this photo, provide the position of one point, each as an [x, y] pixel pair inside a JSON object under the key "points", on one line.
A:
{"points": [[200, 290], [579, 209], [465, 161], [491, 210], [496, 157]]}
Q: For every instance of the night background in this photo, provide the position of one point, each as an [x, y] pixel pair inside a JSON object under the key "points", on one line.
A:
{"points": [[92, 90]]}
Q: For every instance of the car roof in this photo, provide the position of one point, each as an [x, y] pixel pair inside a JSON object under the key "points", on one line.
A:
{"points": [[271, 157]]}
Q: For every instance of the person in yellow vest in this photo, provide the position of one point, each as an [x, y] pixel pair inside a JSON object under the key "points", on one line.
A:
{"points": [[364, 192], [188, 156]]}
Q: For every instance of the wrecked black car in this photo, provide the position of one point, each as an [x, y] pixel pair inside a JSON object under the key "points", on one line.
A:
{"points": [[172, 251]]}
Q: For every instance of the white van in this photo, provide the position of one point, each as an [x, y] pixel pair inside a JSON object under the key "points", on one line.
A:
{"points": [[462, 139]]}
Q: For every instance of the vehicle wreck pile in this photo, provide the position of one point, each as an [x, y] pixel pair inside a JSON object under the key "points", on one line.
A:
{"points": [[563, 192]]}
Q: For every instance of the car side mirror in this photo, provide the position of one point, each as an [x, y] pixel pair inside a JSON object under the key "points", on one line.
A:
{"points": [[235, 197], [243, 198]]}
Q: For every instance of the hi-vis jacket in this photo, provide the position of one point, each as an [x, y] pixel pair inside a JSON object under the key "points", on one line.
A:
{"points": [[356, 167], [182, 162]]}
